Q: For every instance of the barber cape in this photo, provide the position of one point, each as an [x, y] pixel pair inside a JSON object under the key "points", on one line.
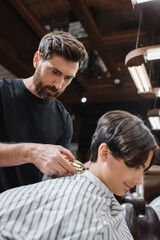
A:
{"points": [[74, 207]]}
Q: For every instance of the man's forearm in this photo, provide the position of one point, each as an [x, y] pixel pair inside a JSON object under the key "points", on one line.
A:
{"points": [[14, 154], [48, 158]]}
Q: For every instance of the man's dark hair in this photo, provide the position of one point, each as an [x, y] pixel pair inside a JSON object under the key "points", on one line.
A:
{"points": [[62, 44], [126, 136]]}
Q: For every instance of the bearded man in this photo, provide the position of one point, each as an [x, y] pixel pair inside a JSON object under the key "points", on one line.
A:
{"points": [[36, 129]]}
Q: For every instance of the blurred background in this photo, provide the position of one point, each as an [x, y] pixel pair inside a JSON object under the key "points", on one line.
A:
{"points": [[109, 30]]}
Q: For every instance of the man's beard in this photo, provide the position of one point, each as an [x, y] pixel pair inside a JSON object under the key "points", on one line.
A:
{"points": [[42, 90]]}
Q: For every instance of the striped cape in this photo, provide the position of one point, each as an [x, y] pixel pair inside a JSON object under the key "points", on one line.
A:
{"points": [[74, 207]]}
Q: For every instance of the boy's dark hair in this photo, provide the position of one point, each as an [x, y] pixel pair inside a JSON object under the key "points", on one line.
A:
{"points": [[125, 135], [62, 44]]}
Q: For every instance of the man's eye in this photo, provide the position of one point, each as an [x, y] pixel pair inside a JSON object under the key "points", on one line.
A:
{"points": [[68, 78], [54, 72]]}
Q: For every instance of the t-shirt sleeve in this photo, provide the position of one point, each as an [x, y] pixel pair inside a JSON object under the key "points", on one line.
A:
{"points": [[66, 138]]}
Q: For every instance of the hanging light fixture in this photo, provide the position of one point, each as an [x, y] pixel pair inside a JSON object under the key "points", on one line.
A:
{"points": [[140, 78], [152, 53], [154, 118], [135, 61]]}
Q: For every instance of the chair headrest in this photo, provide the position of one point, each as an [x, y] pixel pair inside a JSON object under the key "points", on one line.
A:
{"points": [[141, 219], [138, 203]]}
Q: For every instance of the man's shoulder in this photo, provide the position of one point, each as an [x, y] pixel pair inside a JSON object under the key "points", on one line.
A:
{"points": [[61, 109], [59, 104], [8, 82]]}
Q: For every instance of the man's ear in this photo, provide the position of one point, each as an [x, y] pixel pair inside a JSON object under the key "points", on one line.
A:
{"points": [[103, 152], [36, 59]]}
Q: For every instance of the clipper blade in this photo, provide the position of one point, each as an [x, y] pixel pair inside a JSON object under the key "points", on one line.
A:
{"points": [[78, 166]]}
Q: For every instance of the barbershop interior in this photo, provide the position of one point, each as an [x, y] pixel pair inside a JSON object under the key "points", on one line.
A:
{"points": [[122, 72]]}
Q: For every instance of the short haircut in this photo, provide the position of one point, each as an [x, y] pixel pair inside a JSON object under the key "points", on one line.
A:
{"points": [[62, 44], [126, 136]]}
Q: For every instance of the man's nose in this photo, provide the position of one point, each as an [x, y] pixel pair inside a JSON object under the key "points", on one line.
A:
{"points": [[58, 83]]}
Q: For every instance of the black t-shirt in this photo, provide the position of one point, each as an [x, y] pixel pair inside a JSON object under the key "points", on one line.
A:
{"points": [[27, 118]]}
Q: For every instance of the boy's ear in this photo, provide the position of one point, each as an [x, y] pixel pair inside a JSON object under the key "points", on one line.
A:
{"points": [[103, 152], [36, 59]]}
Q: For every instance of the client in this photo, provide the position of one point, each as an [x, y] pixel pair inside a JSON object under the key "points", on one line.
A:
{"points": [[83, 206]]}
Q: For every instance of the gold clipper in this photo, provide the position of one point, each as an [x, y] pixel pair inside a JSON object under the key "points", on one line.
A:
{"points": [[78, 166]]}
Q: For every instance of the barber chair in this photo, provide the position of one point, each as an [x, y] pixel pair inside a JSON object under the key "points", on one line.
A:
{"points": [[151, 183], [141, 219]]}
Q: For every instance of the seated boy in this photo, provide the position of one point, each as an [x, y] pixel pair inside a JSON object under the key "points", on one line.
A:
{"points": [[83, 206]]}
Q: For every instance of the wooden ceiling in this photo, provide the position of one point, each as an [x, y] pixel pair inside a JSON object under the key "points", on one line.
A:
{"points": [[111, 32]]}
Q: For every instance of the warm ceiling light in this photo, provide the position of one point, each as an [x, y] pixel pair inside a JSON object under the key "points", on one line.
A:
{"points": [[140, 1], [155, 122], [135, 61], [140, 78], [83, 99], [152, 54], [157, 91], [154, 118]]}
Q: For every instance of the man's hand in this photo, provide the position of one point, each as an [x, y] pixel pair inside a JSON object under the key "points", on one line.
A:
{"points": [[50, 159]]}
